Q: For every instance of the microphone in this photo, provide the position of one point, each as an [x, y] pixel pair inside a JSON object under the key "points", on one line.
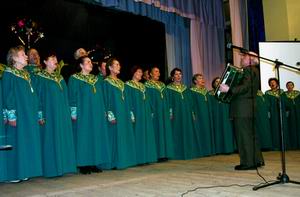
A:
{"points": [[231, 46]]}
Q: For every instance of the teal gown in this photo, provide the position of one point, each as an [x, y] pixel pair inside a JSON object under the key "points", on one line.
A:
{"points": [[142, 122], [21, 102], [184, 135], [3, 142], [222, 126], [203, 120], [58, 153], [33, 71], [263, 122], [292, 104], [90, 128], [272, 98], [156, 93], [121, 134]]}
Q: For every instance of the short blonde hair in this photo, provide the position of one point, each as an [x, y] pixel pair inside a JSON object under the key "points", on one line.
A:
{"points": [[12, 52]]}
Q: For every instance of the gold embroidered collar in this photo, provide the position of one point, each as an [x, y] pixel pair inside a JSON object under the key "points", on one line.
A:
{"points": [[24, 74], [160, 86], [178, 88], [275, 93], [259, 93], [51, 76], [118, 83], [136, 85], [292, 95], [199, 90], [89, 79]]}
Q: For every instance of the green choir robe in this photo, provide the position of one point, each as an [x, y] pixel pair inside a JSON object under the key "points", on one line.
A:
{"points": [[222, 126], [203, 120], [184, 135], [33, 71], [121, 134], [90, 128], [58, 153], [142, 122], [263, 121], [272, 98], [161, 118], [21, 102], [3, 140], [292, 108]]}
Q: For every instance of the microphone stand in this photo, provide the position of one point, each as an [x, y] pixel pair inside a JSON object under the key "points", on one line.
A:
{"points": [[282, 177]]}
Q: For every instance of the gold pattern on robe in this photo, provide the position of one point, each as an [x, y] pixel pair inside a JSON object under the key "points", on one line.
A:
{"points": [[20, 73], [89, 78], [139, 86], [118, 83], [180, 88], [51, 76], [199, 90], [160, 86]]}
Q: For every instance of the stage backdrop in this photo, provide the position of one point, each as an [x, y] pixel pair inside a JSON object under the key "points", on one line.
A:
{"points": [[285, 52]]}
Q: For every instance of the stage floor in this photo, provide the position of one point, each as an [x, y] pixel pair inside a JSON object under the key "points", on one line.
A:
{"points": [[169, 179]]}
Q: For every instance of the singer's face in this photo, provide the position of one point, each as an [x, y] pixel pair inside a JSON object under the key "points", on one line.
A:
{"points": [[51, 63], [273, 85], [21, 58], [177, 76], [33, 57], [115, 67], [155, 74], [138, 74], [290, 86], [200, 81], [87, 65]]}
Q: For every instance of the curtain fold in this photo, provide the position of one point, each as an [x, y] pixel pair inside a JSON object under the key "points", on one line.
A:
{"points": [[194, 32], [255, 24], [236, 28]]}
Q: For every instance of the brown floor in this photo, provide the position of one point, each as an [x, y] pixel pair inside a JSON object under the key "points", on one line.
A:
{"points": [[169, 179]]}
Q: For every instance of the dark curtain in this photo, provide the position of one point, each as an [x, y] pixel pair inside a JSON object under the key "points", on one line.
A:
{"points": [[255, 24]]}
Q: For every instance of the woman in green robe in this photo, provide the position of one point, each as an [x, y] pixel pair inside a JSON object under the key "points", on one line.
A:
{"points": [[263, 122], [139, 106], [291, 100], [222, 126], [58, 153], [121, 135], [88, 116], [185, 141], [155, 91], [202, 116], [272, 96], [21, 103]]}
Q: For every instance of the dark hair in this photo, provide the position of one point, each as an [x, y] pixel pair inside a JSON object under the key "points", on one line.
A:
{"points": [[134, 69], [49, 54], [174, 70], [289, 82], [273, 79], [108, 64], [153, 68], [195, 78], [80, 60], [214, 81]]}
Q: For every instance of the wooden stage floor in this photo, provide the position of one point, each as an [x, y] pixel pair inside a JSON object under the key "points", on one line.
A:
{"points": [[169, 179]]}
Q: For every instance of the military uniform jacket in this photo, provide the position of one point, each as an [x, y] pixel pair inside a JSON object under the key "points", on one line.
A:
{"points": [[243, 103]]}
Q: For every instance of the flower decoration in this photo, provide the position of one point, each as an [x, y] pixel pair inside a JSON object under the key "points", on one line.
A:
{"points": [[27, 31]]}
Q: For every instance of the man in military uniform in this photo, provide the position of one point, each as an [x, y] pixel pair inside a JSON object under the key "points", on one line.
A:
{"points": [[242, 112]]}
